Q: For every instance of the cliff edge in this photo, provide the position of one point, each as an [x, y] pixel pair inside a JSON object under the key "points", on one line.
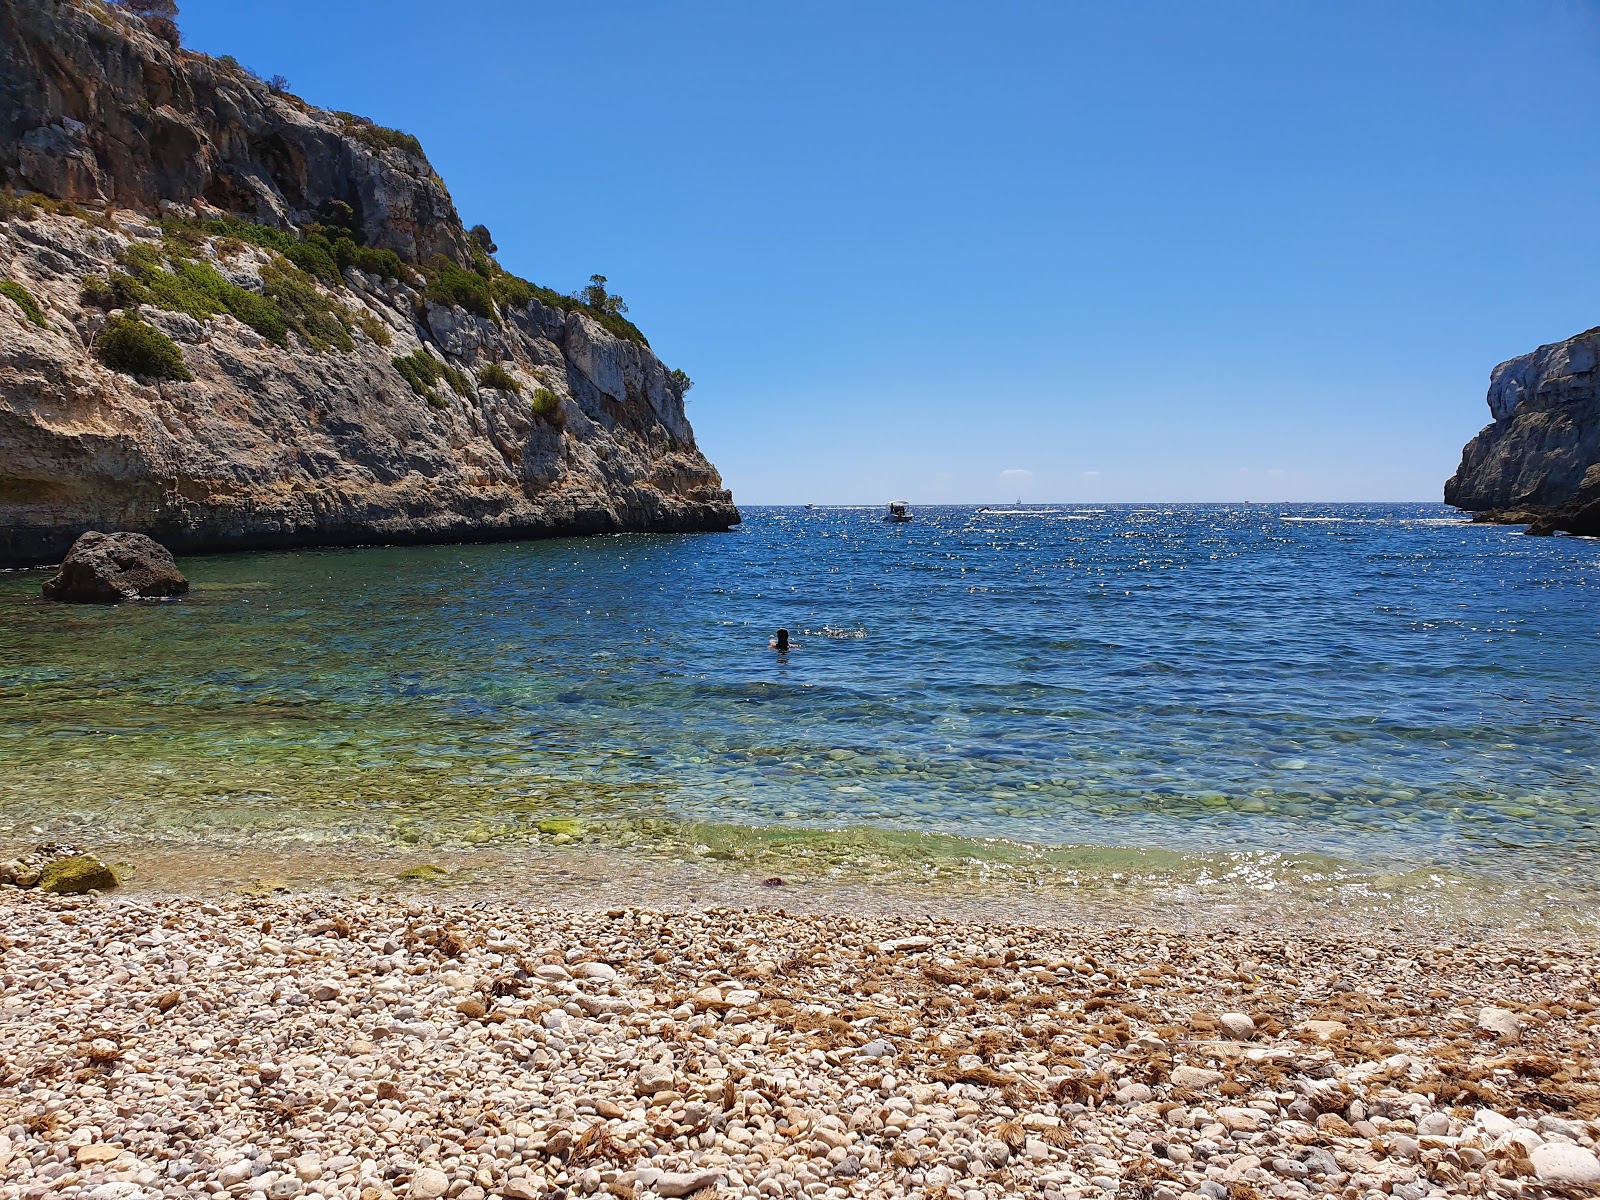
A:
{"points": [[230, 320], [1529, 465]]}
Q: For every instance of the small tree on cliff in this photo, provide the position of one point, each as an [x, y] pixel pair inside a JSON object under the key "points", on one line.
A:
{"points": [[159, 16], [597, 298]]}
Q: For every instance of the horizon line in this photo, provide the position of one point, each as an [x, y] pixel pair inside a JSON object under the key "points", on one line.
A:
{"points": [[1036, 503]]}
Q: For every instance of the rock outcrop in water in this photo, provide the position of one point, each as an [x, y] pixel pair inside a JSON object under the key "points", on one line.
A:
{"points": [[108, 568], [1535, 463], [231, 320]]}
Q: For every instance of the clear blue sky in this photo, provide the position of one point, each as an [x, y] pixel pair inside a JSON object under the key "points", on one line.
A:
{"points": [[1122, 250]]}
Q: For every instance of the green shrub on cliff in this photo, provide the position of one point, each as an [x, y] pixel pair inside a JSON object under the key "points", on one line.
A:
{"points": [[423, 372], [197, 289], [130, 346], [379, 137], [496, 376], [375, 329], [13, 205], [23, 299], [323, 250], [326, 326], [288, 300], [118, 290], [31, 205], [453, 286], [419, 369], [509, 292], [547, 404]]}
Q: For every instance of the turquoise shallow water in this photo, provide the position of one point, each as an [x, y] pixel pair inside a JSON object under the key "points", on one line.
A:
{"points": [[1378, 685]]}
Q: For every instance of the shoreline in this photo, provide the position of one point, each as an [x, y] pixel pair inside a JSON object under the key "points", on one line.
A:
{"points": [[1200, 893], [406, 1046]]}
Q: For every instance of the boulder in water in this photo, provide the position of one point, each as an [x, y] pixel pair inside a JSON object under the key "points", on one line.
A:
{"points": [[106, 568]]}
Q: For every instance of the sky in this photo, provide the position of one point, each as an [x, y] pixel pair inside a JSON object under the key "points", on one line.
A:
{"points": [[1122, 250]]}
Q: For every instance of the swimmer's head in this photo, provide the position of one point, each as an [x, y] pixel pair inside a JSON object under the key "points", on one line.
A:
{"points": [[780, 640]]}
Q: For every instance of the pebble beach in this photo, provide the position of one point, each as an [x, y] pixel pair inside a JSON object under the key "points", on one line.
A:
{"points": [[409, 1047]]}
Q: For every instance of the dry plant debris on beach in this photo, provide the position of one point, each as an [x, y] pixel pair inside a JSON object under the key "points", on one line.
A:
{"points": [[329, 1046]]}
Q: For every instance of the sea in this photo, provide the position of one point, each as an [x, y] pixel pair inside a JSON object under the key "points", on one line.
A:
{"points": [[1346, 696]]}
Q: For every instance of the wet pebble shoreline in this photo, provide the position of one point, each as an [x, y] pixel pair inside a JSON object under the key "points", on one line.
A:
{"points": [[317, 1045]]}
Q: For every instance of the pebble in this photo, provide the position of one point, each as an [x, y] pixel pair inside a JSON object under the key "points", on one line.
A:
{"points": [[676, 1183], [428, 1184], [465, 1053], [1494, 1124], [1501, 1021], [1198, 1078], [1562, 1162], [1237, 1026]]}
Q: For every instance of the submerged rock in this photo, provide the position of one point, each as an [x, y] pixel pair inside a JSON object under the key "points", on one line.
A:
{"points": [[425, 871], [107, 568], [72, 876]]}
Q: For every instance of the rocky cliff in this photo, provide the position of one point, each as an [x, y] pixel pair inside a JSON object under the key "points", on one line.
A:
{"points": [[1529, 464], [231, 320]]}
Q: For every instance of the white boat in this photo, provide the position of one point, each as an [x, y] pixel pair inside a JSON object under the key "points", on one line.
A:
{"points": [[899, 512]]}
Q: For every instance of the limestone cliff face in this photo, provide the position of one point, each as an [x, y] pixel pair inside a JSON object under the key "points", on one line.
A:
{"points": [[1545, 435], [577, 429]]}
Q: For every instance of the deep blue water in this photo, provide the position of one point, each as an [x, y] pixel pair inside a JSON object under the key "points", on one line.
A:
{"points": [[1375, 683]]}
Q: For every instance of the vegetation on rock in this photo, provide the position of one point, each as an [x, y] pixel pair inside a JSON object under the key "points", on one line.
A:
{"points": [[423, 372], [321, 249], [374, 328], [29, 206], [73, 876], [681, 382], [547, 404], [496, 376], [453, 286], [24, 300], [326, 326], [130, 346], [488, 290], [379, 137], [159, 16], [288, 300]]}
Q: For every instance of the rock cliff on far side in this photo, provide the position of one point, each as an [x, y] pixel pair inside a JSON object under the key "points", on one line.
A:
{"points": [[1534, 464], [230, 320]]}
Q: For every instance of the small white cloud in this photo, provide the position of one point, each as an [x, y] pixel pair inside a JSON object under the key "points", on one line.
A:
{"points": [[1090, 476], [1017, 475]]}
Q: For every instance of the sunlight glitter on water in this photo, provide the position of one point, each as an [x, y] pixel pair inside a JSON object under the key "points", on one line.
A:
{"points": [[1387, 688]]}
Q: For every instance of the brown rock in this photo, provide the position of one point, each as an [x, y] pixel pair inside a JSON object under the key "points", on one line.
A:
{"points": [[107, 568], [285, 445]]}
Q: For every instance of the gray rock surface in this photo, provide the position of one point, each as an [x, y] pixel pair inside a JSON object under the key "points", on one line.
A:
{"points": [[94, 108], [108, 568], [1545, 434], [268, 446]]}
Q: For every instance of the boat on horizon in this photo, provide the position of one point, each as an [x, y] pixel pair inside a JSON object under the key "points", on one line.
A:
{"points": [[899, 512]]}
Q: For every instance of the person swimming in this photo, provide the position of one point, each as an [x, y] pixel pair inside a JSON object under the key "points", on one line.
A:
{"points": [[780, 640]]}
